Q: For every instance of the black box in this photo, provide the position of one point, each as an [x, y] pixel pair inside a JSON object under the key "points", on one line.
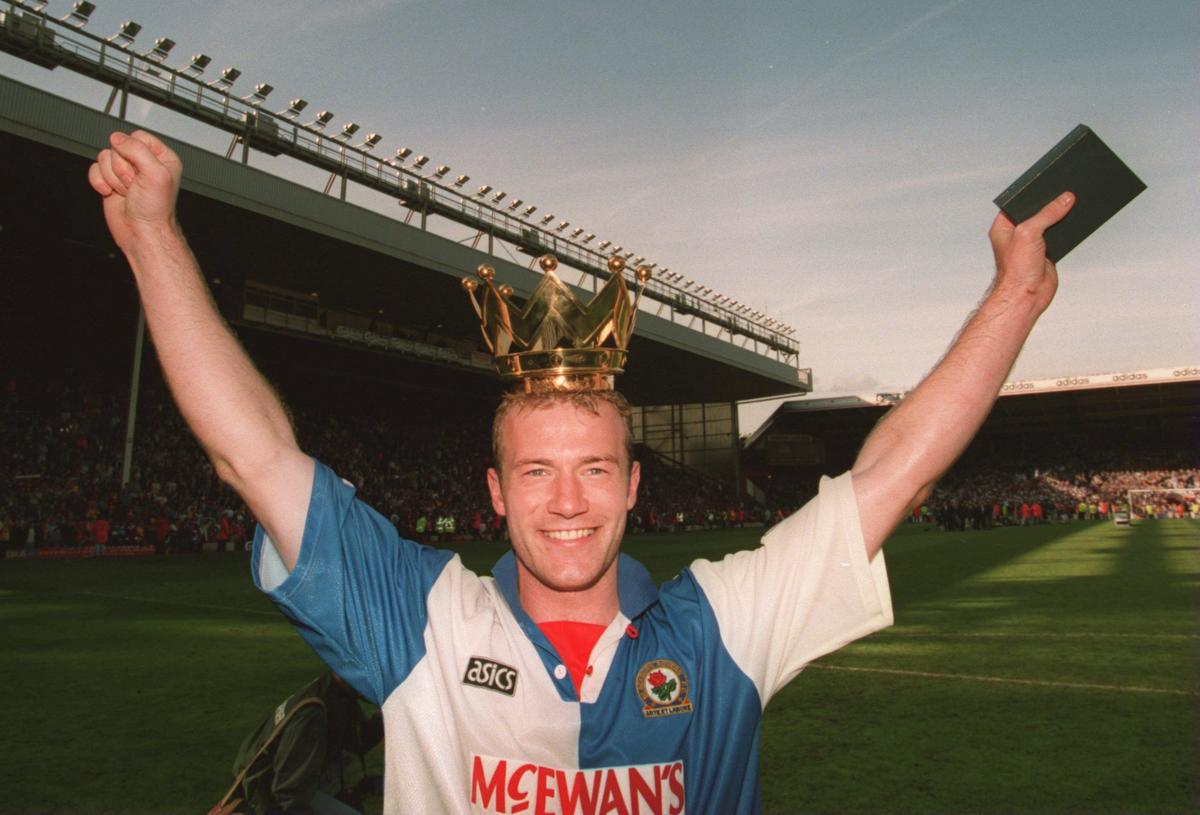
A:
{"points": [[1084, 165]]}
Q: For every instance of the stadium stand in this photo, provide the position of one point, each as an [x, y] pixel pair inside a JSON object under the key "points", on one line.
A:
{"points": [[422, 469], [1069, 448]]}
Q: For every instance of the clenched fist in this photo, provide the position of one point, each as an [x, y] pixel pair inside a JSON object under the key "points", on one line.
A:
{"points": [[138, 178]]}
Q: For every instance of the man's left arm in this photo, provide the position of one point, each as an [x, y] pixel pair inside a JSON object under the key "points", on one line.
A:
{"points": [[918, 440]]}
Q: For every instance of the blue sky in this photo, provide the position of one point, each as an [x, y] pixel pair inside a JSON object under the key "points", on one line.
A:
{"points": [[832, 164]]}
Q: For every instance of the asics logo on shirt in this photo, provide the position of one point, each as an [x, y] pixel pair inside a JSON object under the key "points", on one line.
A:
{"points": [[484, 673]]}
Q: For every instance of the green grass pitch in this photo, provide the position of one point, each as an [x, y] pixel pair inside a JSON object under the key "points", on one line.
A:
{"points": [[1042, 670]]}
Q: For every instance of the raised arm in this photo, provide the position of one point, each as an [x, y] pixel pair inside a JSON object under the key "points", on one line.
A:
{"points": [[921, 437], [235, 414]]}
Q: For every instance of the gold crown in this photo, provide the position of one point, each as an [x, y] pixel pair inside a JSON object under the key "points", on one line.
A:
{"points": [[557, 342]]}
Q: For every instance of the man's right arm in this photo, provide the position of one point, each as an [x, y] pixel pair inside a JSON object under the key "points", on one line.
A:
{"points": [[236, 415]]}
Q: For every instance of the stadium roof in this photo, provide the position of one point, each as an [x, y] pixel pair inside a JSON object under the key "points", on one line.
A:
{"points": [[245, 223], [1167, 398]]}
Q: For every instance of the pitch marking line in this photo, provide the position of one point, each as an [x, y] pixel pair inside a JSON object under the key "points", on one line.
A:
{"points": [[1002, 680]]}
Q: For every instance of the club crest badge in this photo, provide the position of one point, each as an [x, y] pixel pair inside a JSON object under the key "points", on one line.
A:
{"points": [[663, 688]]}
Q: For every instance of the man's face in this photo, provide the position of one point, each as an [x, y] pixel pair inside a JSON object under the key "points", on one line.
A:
{"points": [[565, 486]]}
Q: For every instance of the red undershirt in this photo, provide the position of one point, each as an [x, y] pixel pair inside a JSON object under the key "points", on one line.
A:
{"points": [[574, 643]]}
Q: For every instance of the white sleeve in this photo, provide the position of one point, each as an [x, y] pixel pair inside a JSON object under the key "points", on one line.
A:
{"points": [[807, 591]]}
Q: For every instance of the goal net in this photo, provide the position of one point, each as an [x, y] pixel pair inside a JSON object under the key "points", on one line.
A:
{"points": [[1163, 502]]}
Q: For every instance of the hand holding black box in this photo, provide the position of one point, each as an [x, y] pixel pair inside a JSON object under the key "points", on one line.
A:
{"points": [[1084, 165]]}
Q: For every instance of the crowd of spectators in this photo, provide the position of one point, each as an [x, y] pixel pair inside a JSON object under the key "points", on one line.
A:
{"points": [[63, 474], [422, 465], [1079, 487]]}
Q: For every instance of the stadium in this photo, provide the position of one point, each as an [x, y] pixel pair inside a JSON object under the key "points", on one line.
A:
{"points": [[1043, 660]]}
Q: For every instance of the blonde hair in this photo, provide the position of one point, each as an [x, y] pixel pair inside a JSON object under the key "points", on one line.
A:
{"points": [[589, 400]]}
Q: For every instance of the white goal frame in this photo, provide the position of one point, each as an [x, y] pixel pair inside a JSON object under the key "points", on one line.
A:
{"points": [[1190, 494]]}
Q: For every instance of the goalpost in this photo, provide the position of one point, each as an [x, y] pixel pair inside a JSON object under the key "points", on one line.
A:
{"points": [[1153, 502]]}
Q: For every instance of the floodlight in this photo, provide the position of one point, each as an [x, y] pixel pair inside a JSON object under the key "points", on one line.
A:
{"points": [[562, 225], [293, 109], [323, 118], [652, 266], [370, 141], [516, 202], [441, 171], [199, 63], [639, 261], [78, 16], [403, 153], [616, 250], [462, 179], [420, 161], [225, 81], [529, 210], [162, 47], [602, 244], [576, 233], [589, 236], [261, 91], [628, 255], [125, 34], [33, 5], [499, 196], [483, 190], [348, 130], [547, 218]]}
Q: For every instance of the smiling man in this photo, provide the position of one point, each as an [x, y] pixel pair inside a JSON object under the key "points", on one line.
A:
{"points": [[565, 478], [566, 681]]}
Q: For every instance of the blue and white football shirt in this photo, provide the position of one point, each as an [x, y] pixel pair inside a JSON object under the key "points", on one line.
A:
{"points": [[481, 715]]}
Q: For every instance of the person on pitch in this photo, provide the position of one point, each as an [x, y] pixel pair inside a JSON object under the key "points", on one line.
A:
{"points": [[566, 681]]}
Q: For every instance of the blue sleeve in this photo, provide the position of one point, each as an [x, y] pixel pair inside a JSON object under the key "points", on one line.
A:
{"points": [[358, 592]]}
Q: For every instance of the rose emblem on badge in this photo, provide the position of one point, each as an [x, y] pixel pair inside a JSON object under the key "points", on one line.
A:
{"points": [[662, 686]]}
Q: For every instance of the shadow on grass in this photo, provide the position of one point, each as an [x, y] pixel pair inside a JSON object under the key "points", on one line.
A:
{"points": [[924, 563], [1085, 575]]}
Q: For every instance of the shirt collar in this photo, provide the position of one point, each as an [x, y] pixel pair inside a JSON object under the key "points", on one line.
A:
{"points": [[636, 591]]}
